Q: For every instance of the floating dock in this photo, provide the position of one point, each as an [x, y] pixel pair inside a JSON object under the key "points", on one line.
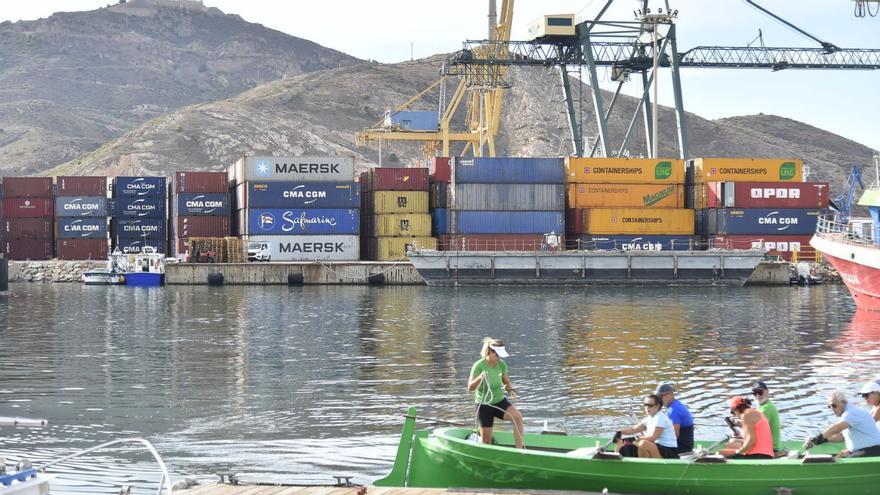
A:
{"points": [[294, 273]]}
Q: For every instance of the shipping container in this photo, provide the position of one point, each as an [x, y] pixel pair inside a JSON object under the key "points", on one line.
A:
{"points": [[151, 206], [81, 249], [293, 168], [81, 228], [27, 187], [201, 182], [394, 248], [28, 207], [81, 186], [697, 196], [507, 222], [774, 245], [440, 196], [140, 186], [27, 228], [364, 181], [624, 170], [640, 243], [397, 202], [767, 195], [746, 170], [493, 242], [510, 197], [506, 170], [439, 221], [310, 247], [441, 169], [281, 221], [734, 221], [626, 196], [201, 226], [136, 245], [639, 221], [202, 204], [400, 224], [140, 228], [398, 179], [81, 206], [28, 249], [288, 194]]}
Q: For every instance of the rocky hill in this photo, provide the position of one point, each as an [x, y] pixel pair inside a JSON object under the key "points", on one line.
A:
{"points": [[320, 113], [73, 81]]}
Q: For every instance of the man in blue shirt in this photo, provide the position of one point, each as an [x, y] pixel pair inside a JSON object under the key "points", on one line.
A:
{"points": [[856, 429], [681, 417]]}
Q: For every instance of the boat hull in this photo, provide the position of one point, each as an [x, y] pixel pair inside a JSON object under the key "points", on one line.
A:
{"points": [[466, 268], [858, 266], [103, 278], [144, 279]]}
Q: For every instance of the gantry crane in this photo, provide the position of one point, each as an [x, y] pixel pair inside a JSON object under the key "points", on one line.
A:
{"points": [[624, 47], [482, 103]]}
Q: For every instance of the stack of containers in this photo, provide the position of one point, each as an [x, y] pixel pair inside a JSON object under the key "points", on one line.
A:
{"points": [[304, 208], [200, 208], [499, 203], [747, 202], [27, 218], [139, 214], [628, 203], [81, 216], [396, 213]]}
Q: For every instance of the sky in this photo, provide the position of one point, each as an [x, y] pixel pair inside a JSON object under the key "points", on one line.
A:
{"points": [[843, 102]]}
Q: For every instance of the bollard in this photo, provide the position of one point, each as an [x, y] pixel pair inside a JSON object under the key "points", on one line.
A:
{"points": [[295, 278], [215, 278], [376, 279]]}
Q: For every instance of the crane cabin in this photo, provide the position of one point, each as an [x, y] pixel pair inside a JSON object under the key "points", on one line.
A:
{"points": [[552, 26]]}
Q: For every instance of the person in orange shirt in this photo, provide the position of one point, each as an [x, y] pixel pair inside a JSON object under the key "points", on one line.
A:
{"points": [[757, 441]]}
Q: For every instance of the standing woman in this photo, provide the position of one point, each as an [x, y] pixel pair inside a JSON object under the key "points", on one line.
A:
{"points": [[871, 393], [490, 380]]}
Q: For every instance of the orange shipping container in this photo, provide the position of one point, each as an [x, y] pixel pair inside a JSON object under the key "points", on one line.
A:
{"points": [[659, 221], [626, 195], [747, 170], [624, 171]]}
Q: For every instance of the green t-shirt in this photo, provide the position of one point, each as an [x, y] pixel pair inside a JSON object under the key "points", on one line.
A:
{"points": [[768, 409], [494, 393]]}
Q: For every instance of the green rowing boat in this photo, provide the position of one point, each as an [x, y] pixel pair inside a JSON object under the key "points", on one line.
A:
{"points": [[450, 458]]}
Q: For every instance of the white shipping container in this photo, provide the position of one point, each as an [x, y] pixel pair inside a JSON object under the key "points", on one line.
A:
{"points": [[299, 168], [510, 197], [310, 247]]}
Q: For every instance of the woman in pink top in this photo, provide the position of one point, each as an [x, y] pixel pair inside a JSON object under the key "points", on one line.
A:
{"points": [[757, 441]]}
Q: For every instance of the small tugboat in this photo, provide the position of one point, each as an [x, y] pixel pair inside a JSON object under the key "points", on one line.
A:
{"points": [[145, 269]]}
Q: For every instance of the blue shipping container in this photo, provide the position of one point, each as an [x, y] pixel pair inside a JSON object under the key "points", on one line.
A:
{"points": [[504, 170], [426, 120], [735, 221], [140, 186], [139, 207], [439, 221], [81, 228], [136, 245], [295, 221], [202, 204], [288, 194], [509, 222], [639, 243], [141, 228], [80, 206]]}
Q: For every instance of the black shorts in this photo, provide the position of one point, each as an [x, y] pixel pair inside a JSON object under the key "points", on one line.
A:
{"points": [[632, 450], [488, 412], [667, 452], [872, 451], [751, 456]]}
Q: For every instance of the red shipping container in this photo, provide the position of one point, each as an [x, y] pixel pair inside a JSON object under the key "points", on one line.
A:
{"points": [[574, 221], [27, 187], [81, 249], [201, 182], [398, 179], [28, 249], [364, 180], [493, 242], [768, 195], [27, 228], [441, 170], [776, 245], [28, 208], [198, 226], [81, 186]]}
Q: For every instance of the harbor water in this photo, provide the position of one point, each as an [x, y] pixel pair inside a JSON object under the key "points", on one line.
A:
{"points": [[293, 385]]}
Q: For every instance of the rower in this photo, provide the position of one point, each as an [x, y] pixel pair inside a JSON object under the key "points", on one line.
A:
{"points": [[757, 441], [856, 429], [682, 421], [768, 409], [871, 393]]}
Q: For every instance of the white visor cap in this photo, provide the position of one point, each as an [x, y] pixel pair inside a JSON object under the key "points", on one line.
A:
{"points": [[500, 350], [868, 387]]}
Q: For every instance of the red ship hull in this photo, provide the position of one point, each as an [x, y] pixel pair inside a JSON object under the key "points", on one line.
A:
{"points": [[858, 266]]}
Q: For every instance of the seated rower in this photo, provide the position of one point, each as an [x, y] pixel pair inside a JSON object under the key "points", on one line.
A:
{"points": [[658, 441], [682, 421], [871, 393], [757, 440], [856, 429]]}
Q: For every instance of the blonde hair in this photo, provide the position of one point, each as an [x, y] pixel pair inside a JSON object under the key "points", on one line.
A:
{"points": [[487, 342]]}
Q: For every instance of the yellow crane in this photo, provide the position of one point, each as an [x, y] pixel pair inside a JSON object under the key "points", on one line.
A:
{"points": [[482, 103]]}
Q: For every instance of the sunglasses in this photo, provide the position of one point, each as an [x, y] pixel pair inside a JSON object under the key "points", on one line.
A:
{"points": [[649, 405], [832, 406], [757, 392], [865, 396]]}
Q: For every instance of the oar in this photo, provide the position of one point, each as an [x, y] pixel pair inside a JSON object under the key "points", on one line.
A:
{"points": [[696, 455], [6, 421], [437, 420]]}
